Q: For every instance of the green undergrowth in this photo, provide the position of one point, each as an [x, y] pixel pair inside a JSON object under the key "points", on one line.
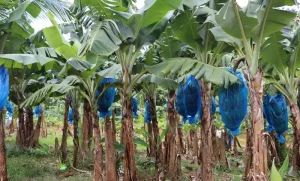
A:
{"points": [[41, 164]]}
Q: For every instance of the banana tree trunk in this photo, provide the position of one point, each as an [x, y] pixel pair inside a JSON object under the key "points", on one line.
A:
{"points": [[171, 137], [3, 167], [44, 128], [195, 146], [20, 138], [181, 147], [56, 147], [12, 126], [122, 137], [258, 151], [272, 150], [114, 132], [87, 128], [296, 142], [76, 136], [150, 140], [248, 151], [156, 147], [234, 149], [128, 133], [110, 162], [28, 126], [222, 150], [215, 144], [206, 134], [190, 140], [63, 147], [98, 160], [34, 141]]}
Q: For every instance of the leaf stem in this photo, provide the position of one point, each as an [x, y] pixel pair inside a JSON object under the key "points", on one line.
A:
{"points": [[215, 54], [3, 41], [254, 64], [101, 6], [244, 38], [292, 84], [133, 82]]}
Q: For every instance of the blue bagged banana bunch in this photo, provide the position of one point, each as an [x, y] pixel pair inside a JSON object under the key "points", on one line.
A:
{"points": [[107, 97], [37, 110], [147, 116], [135, 105], [9, 108], [233, 103], [279, 115], [192, 99], [4, 89], [266, 111], [180, 103], [70, 116]]}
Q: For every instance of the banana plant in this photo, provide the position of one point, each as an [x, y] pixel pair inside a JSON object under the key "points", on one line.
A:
{"points": [[149, 83], [75, 104], [283, 74], [252, 25]]}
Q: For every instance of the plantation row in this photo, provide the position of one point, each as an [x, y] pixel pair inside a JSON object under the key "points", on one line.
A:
{"points": [[211, 57]]}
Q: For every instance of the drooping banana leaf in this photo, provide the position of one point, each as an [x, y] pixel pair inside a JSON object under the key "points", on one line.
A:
{"points": [[187, 66]]}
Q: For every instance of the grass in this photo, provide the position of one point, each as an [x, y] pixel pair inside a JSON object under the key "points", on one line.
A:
{"points": [[40, 164], [29, 164], [24, 167], [145, 167]]}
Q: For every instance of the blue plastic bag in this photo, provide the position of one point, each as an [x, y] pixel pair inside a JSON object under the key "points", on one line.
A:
{"points": [[147, 116], [10, 108], [4, 88], [266, 111], [107, 97], [233, 103], [192, 99], [212, 106], [135, 104], [37, 110], [279, 115], [70, 116], [180, 103]]}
